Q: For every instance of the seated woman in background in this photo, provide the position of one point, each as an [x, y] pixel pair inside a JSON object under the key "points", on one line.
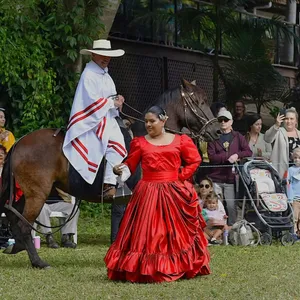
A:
{"points": [[7, 139], [204, 188], [255, 138]]}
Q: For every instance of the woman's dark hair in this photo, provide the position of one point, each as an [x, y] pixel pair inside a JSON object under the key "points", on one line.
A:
{"points": [[215, 107], [207, 179], [3, 148], [251, 119], [157, 110]]}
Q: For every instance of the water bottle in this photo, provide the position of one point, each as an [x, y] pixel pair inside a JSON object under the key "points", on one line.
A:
{"points": [[243, 236], [233, 169], [10, 242], [225, 237]]}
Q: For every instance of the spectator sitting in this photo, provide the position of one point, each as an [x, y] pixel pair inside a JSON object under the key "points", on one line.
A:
{"points": [[7, 139], [239, 119], [255, 138], [293, 189], [204, 188], [227, 150], [216, 217], [284, 139], [68, 230]]}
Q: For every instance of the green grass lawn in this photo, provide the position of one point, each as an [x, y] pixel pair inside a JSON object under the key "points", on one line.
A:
{"points": [[264, 272]]}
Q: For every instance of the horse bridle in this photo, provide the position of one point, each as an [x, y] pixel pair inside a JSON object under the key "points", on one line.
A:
{"points": [[188, 102]]}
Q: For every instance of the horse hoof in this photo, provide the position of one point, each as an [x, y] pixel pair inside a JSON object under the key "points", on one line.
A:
{"points": [[42, 265]]}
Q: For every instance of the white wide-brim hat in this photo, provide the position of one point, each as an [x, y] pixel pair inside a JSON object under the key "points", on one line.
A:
{"points": [[103, 47]]}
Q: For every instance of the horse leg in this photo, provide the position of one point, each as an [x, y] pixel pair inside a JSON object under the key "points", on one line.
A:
{"points": [[33, 205], [34, 201]]}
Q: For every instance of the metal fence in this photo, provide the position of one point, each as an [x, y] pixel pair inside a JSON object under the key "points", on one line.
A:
{"points": [[140, 21], [146, 71]]}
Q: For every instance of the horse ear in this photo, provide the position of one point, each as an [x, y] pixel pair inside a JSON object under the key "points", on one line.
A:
{"points": [[194, 82], [185, 83]]}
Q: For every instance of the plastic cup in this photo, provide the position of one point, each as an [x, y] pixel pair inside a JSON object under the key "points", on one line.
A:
{"points": [[37, 242]]}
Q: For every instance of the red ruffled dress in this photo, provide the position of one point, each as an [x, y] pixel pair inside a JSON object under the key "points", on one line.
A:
{"points": [[161, 237]]}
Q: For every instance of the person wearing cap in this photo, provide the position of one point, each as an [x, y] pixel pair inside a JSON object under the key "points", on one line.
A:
{"points": [[93, 131], [224, 152], [7, 138]]}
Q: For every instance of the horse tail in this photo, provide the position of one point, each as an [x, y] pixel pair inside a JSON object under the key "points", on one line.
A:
{"points": [[5, 181]]}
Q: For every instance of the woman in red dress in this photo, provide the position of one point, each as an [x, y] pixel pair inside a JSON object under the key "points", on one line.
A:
{"points": [[161, 235]]}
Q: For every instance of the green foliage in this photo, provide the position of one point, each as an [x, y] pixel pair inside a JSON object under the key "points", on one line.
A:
{"points": [[250, 72], [94, 210], [39, 65]]}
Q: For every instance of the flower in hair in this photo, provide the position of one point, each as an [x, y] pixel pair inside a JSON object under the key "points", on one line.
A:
{"points": [[163, 117]]}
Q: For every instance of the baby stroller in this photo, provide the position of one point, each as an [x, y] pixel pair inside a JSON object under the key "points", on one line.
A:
{"points": [[265, 202]]}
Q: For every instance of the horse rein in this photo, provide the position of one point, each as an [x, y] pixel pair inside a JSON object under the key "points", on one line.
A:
{"points": [[188, 102]]}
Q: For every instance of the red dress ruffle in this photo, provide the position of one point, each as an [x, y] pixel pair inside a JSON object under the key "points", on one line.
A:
{"points": [[161, 237]]}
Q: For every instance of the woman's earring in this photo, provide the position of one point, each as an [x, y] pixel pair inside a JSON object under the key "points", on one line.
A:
{"points": [[163, 130]]}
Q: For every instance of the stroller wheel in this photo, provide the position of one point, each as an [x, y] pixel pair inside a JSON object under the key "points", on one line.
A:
{"points": [[287, 239], [266, 239]]}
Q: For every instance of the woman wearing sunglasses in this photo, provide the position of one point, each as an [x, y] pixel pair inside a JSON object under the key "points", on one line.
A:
{"points": [[227, 150], [203, 189]]}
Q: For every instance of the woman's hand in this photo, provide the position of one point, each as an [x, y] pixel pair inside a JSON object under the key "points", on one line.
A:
{"points": [[233, 158], [118, 169], [3, 135], [279, 120], [259, 152]]}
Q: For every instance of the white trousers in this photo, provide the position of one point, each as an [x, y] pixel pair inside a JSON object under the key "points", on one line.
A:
{"points": [[63, 207]]}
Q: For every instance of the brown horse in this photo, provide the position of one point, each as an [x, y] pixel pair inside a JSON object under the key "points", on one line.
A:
{"points": [[37, 164]]}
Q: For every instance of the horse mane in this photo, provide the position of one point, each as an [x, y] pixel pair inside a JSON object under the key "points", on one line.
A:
{"points": [[164, 99]]}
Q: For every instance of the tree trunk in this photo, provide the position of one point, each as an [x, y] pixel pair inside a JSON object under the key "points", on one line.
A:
{"points": [[291, 17], [109, 13], [216, 56]]}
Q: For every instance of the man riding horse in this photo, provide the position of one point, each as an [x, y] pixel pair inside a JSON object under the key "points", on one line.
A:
{"points": [[93, 131]]}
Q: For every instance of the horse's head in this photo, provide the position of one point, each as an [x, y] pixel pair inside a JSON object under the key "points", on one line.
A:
{"points": [[197, 116]]}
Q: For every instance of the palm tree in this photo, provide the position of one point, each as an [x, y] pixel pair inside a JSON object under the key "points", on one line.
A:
{"points": [[248, 42]]}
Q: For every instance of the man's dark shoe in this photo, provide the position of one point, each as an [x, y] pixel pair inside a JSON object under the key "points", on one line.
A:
{"points": [[51, 242], [66, 241]]}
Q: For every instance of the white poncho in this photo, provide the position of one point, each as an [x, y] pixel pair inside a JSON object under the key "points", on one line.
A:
{"points": [[92, 130]]}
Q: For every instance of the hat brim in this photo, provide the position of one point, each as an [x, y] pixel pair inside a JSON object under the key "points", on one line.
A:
{"points": [[109, 53]]}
